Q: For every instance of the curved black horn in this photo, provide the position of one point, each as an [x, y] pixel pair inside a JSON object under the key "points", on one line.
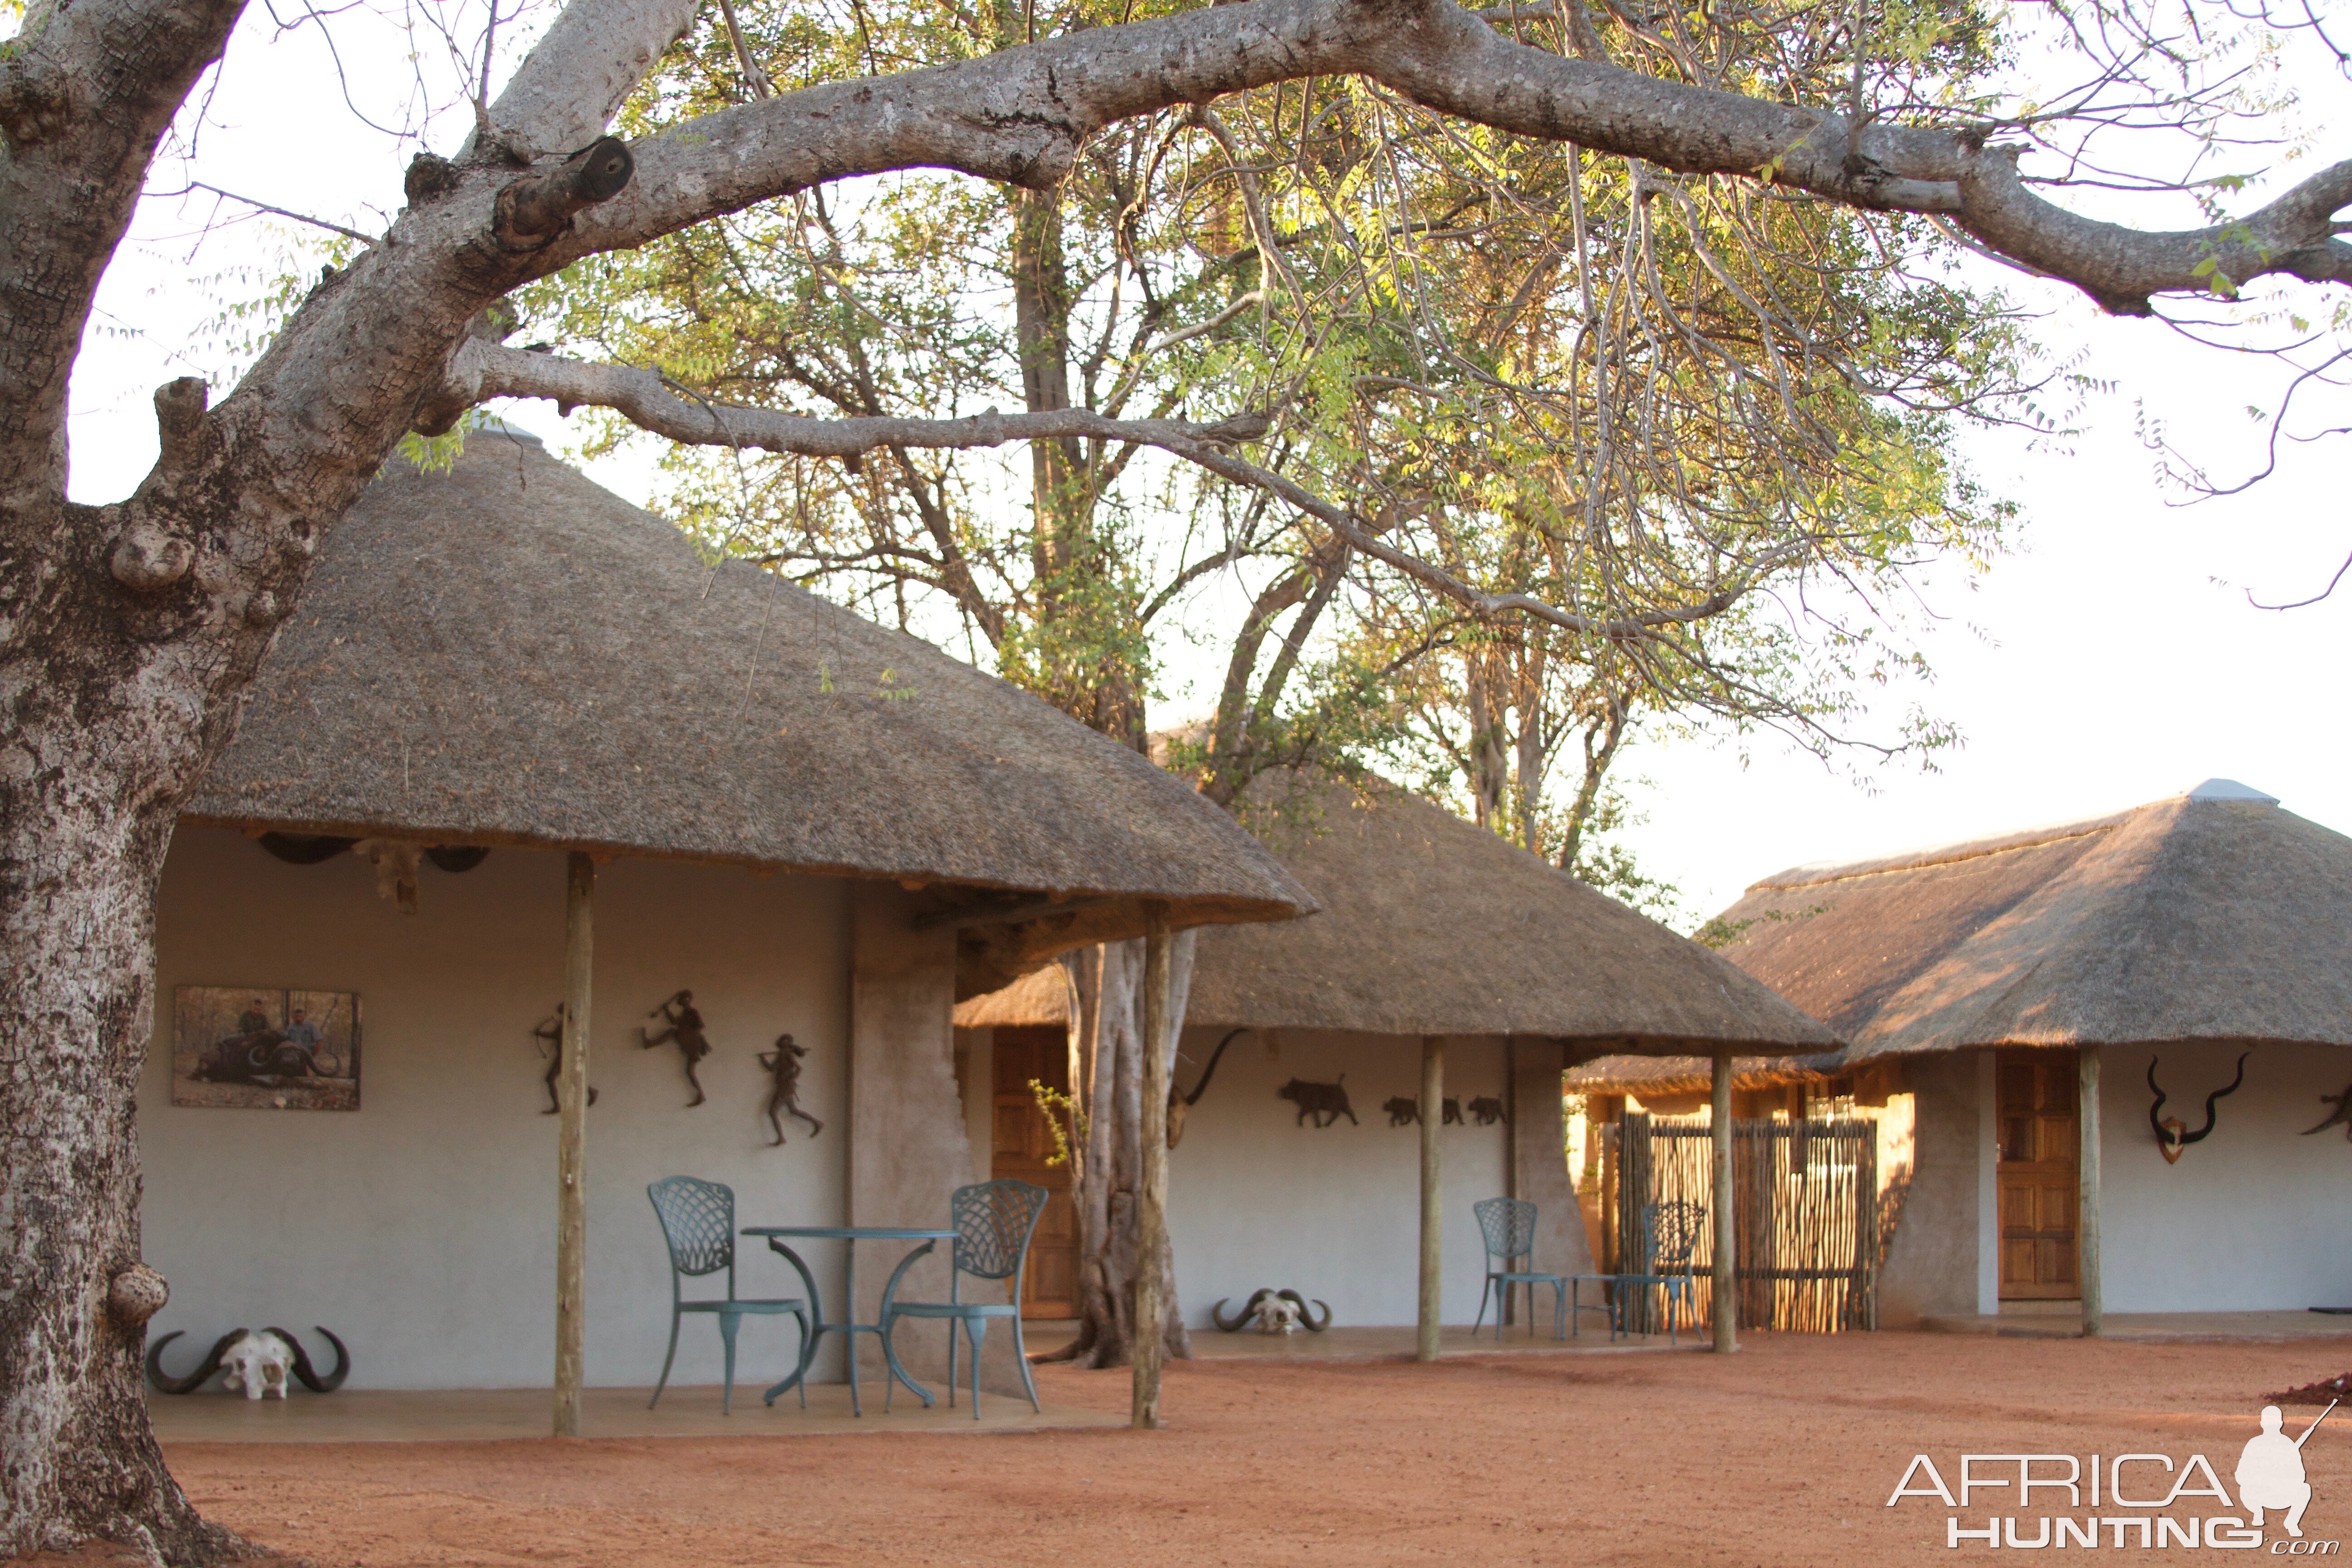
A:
{"points": [[195, 1380], [1209, 1072], [2189, 1138], [1305, 1313], [309, 1374], [1231, 1325]]}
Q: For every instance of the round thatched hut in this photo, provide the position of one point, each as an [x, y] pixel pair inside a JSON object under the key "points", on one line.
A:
{"points": [[525, 710], [2129, 963], [1446, 964]]}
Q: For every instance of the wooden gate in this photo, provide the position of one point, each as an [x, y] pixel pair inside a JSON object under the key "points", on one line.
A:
{"points": [[1805, 1198]]}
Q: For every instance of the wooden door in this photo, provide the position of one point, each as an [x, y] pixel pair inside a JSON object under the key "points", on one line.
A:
{"points": [[2038, 1174], [1022, 1142]]}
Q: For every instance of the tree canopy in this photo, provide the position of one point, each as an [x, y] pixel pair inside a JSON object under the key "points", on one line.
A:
{"points": [[1566, 376]]}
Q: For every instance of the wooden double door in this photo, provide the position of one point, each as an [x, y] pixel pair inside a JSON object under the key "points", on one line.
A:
{"points": [[2039, 1175], [1022, 1141]]}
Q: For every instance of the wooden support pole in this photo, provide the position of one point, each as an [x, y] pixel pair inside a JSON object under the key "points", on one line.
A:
{"points": [[1432, 1116], [1727, 1240], [571, 1144], [2087, 1216], [1151, 1202]]}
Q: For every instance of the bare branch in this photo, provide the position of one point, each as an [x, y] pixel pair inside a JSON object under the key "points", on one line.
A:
{"points": [[483, 369], [2300, 603], [283, 211]]}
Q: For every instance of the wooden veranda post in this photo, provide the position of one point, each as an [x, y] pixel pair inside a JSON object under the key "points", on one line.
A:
{"points": [[1725, 1218], [1151, 1202], [571, 1143], [1433, 1115], [2087, 1219]]}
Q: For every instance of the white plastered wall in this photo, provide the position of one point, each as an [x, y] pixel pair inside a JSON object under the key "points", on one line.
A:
{"points": [[2253, 1218], [422, 1227], [1256, 1200]]}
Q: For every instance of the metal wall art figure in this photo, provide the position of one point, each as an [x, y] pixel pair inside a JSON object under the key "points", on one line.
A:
{"points": [[550, 1036], [686, 1030], [1326, 1102], [1404, 1110], [784, 1065]]}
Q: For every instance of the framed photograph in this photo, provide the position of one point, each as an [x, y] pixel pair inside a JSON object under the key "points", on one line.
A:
{"points": [[261, 1050]]}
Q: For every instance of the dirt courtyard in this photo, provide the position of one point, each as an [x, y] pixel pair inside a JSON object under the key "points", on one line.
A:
{"points": [[1783, 1454]]}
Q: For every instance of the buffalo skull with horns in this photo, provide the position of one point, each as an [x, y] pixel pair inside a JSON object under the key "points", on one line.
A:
{"points": [[1275, 1311], [256, 1362]]}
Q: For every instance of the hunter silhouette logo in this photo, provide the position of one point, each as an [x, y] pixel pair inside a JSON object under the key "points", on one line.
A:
{"points": [[2141, 1490], [2270, 1472]]}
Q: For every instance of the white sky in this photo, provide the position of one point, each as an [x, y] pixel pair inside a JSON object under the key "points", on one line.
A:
{"points": [[2112, 660]]}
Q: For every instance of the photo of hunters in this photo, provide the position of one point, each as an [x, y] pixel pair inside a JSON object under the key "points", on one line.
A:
{"points": [[261, 1050]]}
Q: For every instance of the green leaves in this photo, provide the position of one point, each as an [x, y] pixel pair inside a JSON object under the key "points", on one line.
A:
{"points": [[1713, 413]]}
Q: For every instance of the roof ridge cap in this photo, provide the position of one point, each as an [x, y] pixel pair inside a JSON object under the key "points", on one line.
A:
{"points": [[1821, 872]]}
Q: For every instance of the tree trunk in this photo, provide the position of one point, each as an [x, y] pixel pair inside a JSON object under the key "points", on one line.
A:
{"points": [[1106, 1082], [79, 854], [1603, 736]]}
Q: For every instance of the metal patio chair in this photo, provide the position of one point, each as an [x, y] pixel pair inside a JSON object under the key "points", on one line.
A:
{"points": [[994, 1222], [697, 1221], [1509, 1226], [1671, 1229]]}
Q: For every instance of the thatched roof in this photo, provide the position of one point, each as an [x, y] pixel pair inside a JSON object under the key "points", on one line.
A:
{"points": [[1040, 997], [1657, 1076], [1431, 926], [507, 654], [2213, 915]]}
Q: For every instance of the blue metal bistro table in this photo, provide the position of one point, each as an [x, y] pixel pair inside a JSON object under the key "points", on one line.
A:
{"points": [[849, 1235]]}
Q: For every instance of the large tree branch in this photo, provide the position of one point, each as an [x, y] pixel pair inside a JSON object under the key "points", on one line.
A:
{"points": [[86, 92], [1021, 114], [483, 369], [570, 86], [347, 372]]}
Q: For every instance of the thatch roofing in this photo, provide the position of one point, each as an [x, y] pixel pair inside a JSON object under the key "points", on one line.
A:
{"points": [[1657, 1076], [507, 654], [1433, 926], [2211, 915]]}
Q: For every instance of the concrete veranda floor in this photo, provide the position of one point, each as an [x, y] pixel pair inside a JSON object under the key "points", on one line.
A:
{"points": [[489, 1415], [2063, 1320], [493, 1415], [1378, 1343]]}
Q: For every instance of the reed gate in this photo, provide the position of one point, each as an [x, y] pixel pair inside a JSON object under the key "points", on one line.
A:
{"points": [[1805, 1202]]}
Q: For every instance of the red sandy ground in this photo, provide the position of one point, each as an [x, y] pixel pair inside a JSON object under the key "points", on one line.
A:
{"points": [[1782, 1455]]}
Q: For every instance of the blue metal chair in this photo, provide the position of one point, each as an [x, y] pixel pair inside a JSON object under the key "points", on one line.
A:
{"points": [[1671, 1229], [994, 1222], [1509, 1226], [698, 1220]]}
